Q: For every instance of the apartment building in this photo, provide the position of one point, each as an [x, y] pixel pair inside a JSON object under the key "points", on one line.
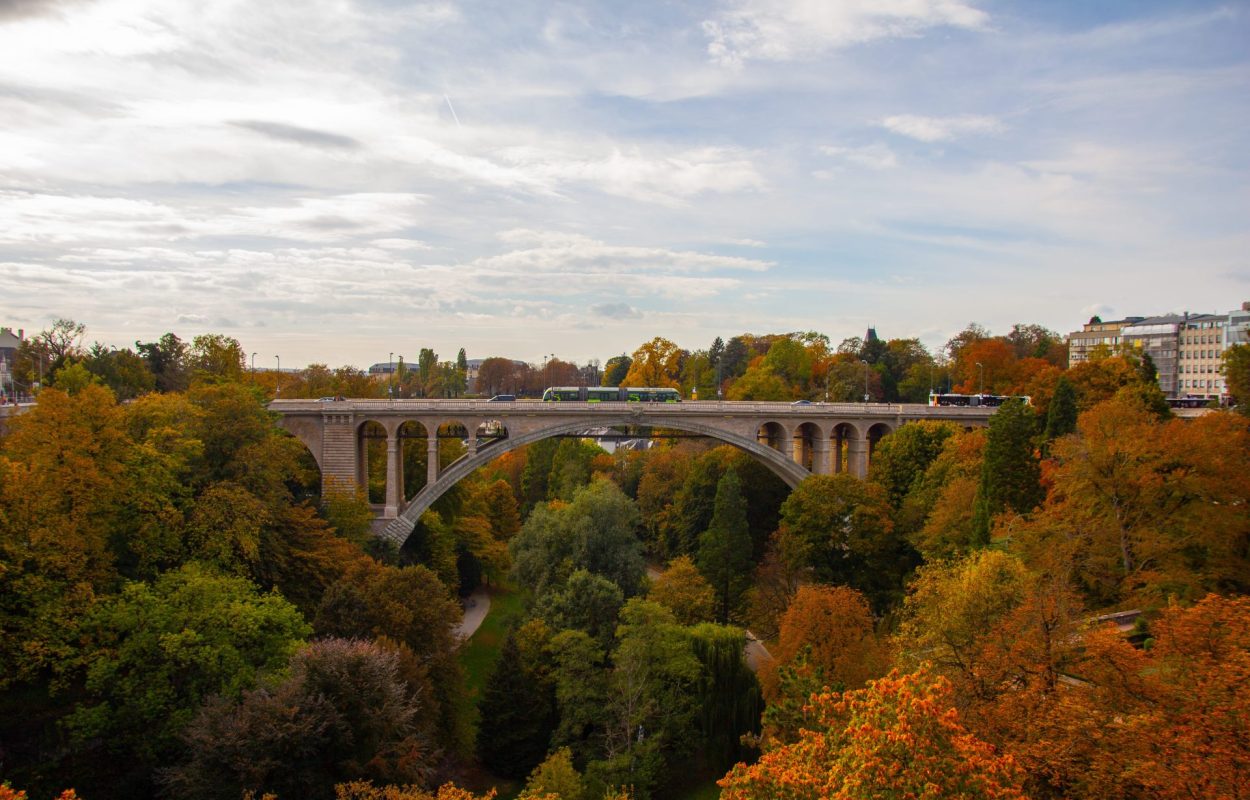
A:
{"points": [[1095, 334], [1200, 354]]}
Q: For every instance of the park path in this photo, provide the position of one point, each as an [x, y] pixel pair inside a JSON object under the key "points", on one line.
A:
{"points": [[755, 653], [476, 607]]}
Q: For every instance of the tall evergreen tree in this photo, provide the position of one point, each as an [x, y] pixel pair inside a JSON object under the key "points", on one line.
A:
{"points": [[518, 716], [725, 547], [1011, 472], [1061, 417]]}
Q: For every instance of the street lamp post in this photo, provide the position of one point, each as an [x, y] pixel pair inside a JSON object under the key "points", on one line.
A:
{"points": [[253, 368], [390, 375], [981, 372], [277, 383], [866, 395]]}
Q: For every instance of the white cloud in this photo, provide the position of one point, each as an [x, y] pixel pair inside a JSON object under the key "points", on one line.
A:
{"points": [[872, 156], [787, 30], [940, 129]]}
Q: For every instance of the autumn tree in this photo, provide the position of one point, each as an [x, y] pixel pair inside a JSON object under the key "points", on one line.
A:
{"points": [[343, 714], [936, 515], [63, 480], [1145, 510], [215, 357], [555, 777], [859, 743], [832, 627], [724, 556], [682, 589], [497, 376], [656, 363], [410, 605]]}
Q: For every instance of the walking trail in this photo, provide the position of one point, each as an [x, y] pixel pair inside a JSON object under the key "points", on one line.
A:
{"points": [[476, 606]]}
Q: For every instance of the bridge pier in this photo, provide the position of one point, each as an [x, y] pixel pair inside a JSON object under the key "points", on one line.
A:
{"points": [[820, 456], [394, 476], [431, 457], [857, 456]]}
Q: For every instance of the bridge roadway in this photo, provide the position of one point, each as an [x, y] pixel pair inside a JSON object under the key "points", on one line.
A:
{"points": [[794, 441]]}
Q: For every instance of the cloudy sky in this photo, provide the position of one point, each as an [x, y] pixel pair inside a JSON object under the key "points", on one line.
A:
{"points": [[333, 180]]}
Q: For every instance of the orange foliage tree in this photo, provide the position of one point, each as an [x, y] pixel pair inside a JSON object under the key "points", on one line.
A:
{"points": [[834, 626], [897, 738], [1143, 509]]}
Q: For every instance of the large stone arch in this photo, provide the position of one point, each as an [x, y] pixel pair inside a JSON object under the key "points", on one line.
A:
{"points": [[401, 527]]}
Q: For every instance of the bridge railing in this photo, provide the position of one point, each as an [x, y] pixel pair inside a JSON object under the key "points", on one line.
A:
{"points": [[487, 408]]}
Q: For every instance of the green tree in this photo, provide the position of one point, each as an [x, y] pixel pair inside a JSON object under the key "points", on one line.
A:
{"points": [[615, 370], [586, 602], [536, 476], [594, 532], [1010, 472], [1237, 376], [167, 360], [570, 467], [652, 721], [581, 687], [841, 527], [73, 378], [1061, 415], [901, 458], [517, 717], [154, 652], [729, 699], [725, 547]]}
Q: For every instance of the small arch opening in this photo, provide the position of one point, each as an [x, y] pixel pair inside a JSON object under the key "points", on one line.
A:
{"points": [[840, 439], [371, 467], [805, 438], [772, 435]]}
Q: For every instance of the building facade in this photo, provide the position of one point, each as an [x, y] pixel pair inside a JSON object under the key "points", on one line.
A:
{"points": [[1201, 355], [1095, 334]]}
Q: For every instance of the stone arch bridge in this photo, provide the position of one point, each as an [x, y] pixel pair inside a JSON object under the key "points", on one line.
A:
{"points": [[794, 441]]}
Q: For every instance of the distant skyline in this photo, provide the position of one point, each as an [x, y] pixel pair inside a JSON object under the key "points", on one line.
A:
{"points": [[333, 180]]}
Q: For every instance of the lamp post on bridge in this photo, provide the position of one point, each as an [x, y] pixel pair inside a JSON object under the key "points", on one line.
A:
{"points": [[866, 395], [981, 371], [277, 382], [390, 375], [253, 368]]}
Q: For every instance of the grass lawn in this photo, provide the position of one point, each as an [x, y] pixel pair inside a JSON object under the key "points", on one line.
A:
{"points": [[478, 659], [478, 656]]}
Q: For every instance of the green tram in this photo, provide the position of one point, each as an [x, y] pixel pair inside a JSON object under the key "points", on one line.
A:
{"points": [[610, 394]]}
